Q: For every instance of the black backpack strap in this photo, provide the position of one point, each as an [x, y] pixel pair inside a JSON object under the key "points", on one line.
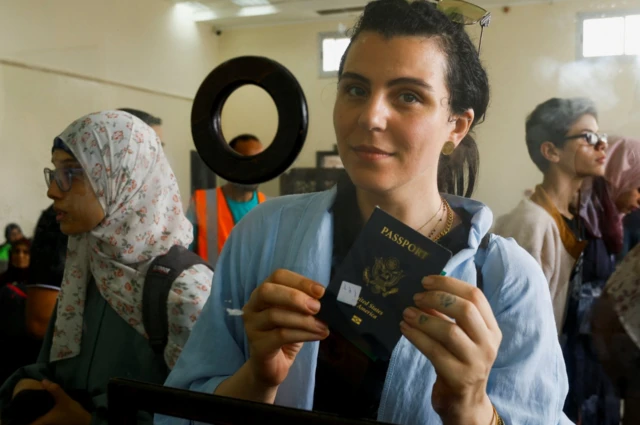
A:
{"points": [[484, 245], [164, 270]]}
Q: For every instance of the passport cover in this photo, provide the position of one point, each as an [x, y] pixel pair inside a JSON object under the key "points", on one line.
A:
{"points": [[377, 280]]}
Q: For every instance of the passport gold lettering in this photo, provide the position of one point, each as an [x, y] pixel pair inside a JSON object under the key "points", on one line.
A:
{"points": [[376, 310], [366, 311], [404, 243], [364, 305]]}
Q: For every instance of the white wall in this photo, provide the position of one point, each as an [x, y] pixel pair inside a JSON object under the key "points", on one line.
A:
{"points": [[141, 43], [530, 55]]}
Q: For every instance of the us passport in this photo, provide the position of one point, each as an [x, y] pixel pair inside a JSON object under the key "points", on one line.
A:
{"points": [[377, 280]]}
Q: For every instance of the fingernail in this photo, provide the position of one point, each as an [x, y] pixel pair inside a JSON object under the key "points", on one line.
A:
{"points": [[314, 305], [419, 296], [428, 281], [317, 290], [443, 273], [409, 313], [403, 325], [321, 326]]}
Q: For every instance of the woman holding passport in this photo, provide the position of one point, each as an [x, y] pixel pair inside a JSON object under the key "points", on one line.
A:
{"points": [[411, 88]]}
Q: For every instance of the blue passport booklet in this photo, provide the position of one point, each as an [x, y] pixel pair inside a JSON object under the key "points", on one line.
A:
{"points": [[377, 280]]}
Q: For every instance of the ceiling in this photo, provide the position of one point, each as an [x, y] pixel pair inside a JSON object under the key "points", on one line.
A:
{"points": [[227, 13]]}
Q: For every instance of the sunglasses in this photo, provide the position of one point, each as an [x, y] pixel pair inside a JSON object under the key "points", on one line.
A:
{"points": [[465, 13], [591, 138], [62, 176]]}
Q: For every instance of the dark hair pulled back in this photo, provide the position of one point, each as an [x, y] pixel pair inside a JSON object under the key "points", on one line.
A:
{"points": [[466, 79]]}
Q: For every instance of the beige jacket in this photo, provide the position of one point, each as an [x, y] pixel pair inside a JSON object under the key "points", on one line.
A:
{"points": [[540, 229]]}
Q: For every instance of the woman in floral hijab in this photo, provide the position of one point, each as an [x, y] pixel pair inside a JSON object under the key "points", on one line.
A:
{"points": [[118, 200]]}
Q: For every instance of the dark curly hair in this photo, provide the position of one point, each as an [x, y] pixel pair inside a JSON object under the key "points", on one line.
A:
{"points": [[466, 79]]}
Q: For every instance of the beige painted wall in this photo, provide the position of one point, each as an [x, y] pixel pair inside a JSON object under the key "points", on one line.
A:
{"points": [[530, 56], [529, 52], [295, 47], [142, 43]]}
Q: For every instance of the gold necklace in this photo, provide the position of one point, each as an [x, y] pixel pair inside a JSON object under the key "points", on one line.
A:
{"points": [[434, 215], [447, 227], [444, 210]]}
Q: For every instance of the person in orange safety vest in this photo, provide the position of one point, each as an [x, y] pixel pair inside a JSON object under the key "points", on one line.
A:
{"points": [[214, 212]]}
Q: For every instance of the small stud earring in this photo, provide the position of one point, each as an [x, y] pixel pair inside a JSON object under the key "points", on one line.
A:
{"points": [[448, 148]]}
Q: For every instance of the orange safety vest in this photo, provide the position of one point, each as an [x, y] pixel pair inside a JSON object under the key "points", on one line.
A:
{"points": [[214, 222]]}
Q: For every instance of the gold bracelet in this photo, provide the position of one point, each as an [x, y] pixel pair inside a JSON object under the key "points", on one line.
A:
{"points": [[496, 420]]}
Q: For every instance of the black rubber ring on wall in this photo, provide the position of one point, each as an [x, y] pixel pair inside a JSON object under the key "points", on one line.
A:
{"points": [[293, 119]]}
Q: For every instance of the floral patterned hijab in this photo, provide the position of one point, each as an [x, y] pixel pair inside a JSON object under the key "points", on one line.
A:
{"points": [[123, 160]]}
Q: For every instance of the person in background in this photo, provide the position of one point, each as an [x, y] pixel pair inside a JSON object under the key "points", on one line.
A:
{"points": [[18, 271], [12, 232], [623, 176], [33, 305], [214, 212], [411, 87], [563, 142], [606, 200], [615, 325], [621, 190], [116, 197], [631, 232], [48, 254], [154, 122], [18, 347]]}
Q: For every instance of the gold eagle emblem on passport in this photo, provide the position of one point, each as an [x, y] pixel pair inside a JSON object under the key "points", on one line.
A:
{"points": [[384, 276]]}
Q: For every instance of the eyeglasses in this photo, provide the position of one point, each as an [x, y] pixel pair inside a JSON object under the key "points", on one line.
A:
{"points": [[62, 176], [591, 138], [465, 13]]}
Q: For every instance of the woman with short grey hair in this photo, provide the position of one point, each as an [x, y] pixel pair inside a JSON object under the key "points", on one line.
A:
{"points": [[563, 141]]}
